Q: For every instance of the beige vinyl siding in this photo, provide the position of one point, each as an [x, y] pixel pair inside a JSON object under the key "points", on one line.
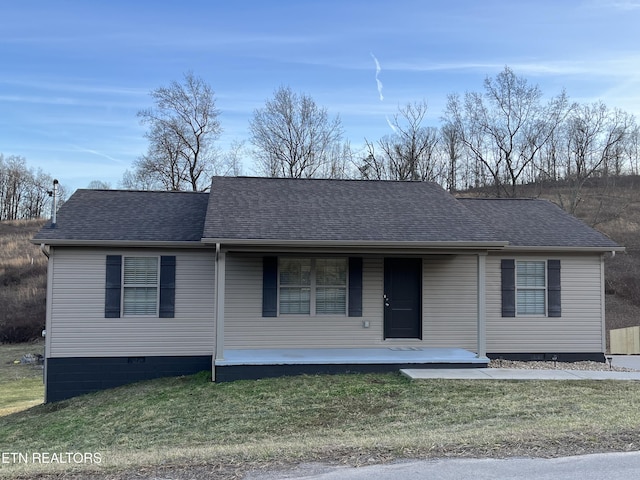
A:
{"points": [[579, 329], [246, 328], [449, 309], [450, 297], [78, 328]]}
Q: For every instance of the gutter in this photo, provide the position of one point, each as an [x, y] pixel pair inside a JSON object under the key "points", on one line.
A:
{"points": [[117, 243], [492, 245], [551, 248], [43, 248]]}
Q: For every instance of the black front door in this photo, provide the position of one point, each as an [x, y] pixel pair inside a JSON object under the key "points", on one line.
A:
{"points": [[402, 298]]}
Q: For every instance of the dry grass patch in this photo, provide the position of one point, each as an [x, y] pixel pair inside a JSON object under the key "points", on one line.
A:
{"points": [[23, 280]]}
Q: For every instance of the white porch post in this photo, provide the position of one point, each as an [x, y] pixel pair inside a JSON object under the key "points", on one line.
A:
{"points": [[482, 305], [220, 287]]}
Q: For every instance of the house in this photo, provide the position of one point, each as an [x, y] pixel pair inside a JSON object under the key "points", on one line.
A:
{"points": [[267, 276]]}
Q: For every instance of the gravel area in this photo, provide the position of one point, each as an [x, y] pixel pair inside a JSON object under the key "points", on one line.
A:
{"points": [[558, 366]]}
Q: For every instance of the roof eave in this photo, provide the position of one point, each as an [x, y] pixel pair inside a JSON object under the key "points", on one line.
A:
{"points": [[117, 243], [564, 248], [466, 245]]}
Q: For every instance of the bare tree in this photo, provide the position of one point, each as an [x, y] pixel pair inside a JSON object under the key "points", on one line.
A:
{"points": [[633, 150], [597, 141], [36, 197], [140, 179], [339, 162], [231, 160], [451, 146], [506, 126], [183, 126], [294, 137], [407, 154], [23, 190], [99, 185]]}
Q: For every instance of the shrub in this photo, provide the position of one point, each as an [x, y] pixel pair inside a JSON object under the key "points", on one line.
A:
{"points": [[21, 332]]}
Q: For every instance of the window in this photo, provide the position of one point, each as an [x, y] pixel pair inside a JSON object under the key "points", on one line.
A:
{"points": [[331, 286], [295, 285], [317, 285], [531, 287], [140, 286], [147, 287]]}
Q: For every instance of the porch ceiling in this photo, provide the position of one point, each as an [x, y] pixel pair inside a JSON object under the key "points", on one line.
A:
{"points": [[353, 356]]}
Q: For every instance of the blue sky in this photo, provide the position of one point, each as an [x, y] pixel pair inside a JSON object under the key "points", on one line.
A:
{"points": [[73, 74]]}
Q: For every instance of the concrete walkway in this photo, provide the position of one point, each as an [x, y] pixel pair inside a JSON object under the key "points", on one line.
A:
{"points": [[627, 361]]}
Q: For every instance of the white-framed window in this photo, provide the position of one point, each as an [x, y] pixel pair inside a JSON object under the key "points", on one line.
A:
{"points": [[312, 286], [531, 287], [140, 286]]}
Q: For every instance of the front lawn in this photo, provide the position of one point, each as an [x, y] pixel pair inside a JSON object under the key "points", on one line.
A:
{"points": [[231, 427], [21, 385]]}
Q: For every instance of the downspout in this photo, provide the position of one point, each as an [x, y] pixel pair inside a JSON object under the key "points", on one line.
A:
{"points": [[603, 301], [482, 305], [46, 333], [215, 315], [220, 290]]}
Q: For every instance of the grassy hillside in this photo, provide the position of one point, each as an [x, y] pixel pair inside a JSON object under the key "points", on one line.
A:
{"points": [[613, 207], [23, 278], [617, 214]]}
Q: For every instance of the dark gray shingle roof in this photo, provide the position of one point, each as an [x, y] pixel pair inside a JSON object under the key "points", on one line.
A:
{"points": [[535, 222], [275, 210], [118, 215], [338, 210]]}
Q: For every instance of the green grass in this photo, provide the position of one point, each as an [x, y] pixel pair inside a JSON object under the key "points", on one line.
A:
{"points": [[191, 421], [20, 385]]}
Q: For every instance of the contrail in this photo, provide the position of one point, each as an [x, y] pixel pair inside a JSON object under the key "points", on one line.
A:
{"points": [[378, 70], [393, 127]]}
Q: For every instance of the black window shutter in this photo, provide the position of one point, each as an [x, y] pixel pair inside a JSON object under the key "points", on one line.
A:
{"points": [[553, 289], [270, 286], [355, 286], [113, 290], [508, 268], [167, 286]]}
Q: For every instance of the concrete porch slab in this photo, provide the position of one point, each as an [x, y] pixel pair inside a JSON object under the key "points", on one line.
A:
{"points": [[351, 356]]}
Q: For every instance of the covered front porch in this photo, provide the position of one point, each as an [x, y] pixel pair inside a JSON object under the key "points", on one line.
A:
{"points": [[261, 363]]}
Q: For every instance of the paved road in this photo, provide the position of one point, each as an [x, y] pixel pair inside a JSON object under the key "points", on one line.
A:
{"points": [[587, 467]]}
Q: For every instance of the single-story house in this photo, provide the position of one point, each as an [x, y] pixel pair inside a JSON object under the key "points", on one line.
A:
{"points": [[269, 276]]}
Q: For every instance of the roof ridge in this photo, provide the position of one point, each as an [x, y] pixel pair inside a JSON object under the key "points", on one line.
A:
{"points": [[503, 198], [354, 180], [124, 190]]}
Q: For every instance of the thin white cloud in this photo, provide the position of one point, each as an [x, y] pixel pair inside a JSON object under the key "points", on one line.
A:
{"points": [[378, 82], [624, 5], [78, 148], [623, 65], [37, 100], [71, 85]]}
